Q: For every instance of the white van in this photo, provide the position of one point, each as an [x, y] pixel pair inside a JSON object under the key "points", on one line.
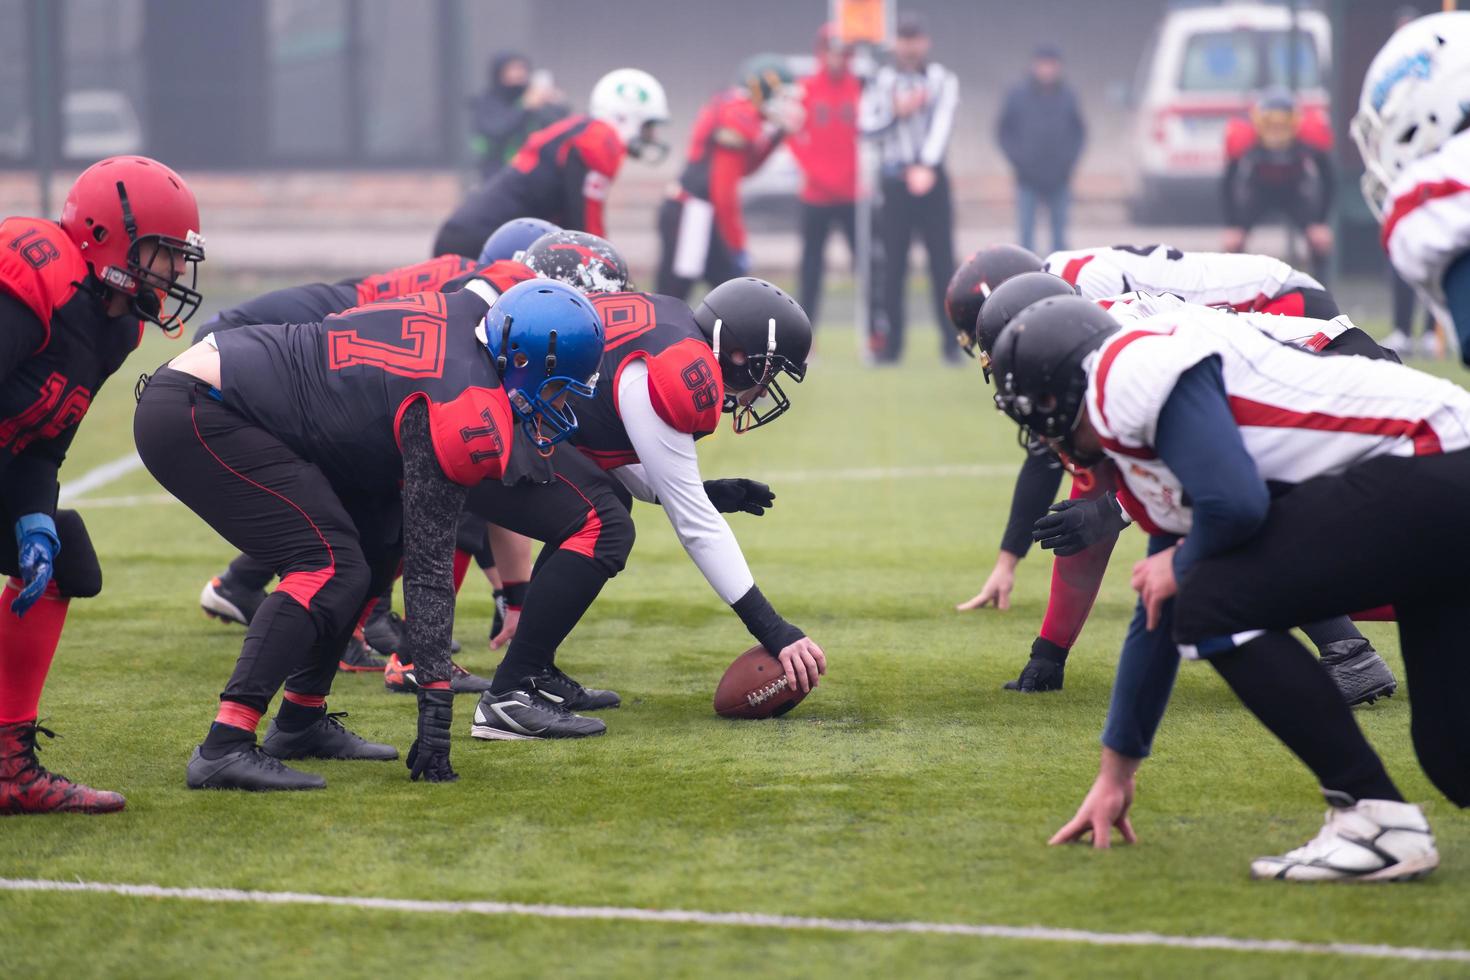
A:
{"points": [[1203, 67]]}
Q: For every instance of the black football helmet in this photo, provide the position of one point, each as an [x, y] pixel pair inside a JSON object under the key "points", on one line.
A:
{"points": [[974, 281], [1008, 299], [589, 263], [1037, 363], [758, 333]]}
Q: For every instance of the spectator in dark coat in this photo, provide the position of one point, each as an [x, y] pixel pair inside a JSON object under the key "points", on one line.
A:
{"points": [[1041, 133], [516, 102]]}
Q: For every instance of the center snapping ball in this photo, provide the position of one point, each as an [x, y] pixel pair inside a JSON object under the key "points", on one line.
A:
{"points": [[755, 686]]}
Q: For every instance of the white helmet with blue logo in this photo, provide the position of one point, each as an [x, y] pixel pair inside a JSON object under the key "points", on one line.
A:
{"points": [[1416, 95]]}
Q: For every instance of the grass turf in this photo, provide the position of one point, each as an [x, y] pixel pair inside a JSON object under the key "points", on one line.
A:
{"points": [[908, 787]]}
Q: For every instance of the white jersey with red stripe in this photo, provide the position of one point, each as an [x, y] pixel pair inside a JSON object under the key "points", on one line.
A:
{"points": [[1238, 280], [1428, 222], [1300, 331], [1300, 415]]}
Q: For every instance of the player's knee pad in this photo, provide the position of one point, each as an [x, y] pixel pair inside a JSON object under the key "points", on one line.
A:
{"points": [[333, 595], [78, 573], [605, 537]]}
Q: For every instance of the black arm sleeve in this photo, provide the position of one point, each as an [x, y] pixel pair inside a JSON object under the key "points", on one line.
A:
{"points": [[764, 623], [431, 507], [28, 484], [1036, 489], [21, 332]]}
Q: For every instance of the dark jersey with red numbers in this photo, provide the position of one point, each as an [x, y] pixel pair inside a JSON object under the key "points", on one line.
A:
{"points": [[57, 347], [316, 301], [683, 374], [334, 391], [728, 143], [561, 174]]}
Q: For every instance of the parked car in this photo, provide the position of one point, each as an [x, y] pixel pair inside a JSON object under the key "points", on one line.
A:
{"points": [[1204, 67]]}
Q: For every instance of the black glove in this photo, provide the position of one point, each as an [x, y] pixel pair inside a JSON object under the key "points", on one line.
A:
{"points": [[730, 496], [428, 757], [1075, 525]]}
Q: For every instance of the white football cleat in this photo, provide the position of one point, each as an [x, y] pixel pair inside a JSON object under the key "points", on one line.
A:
{"points": [[1371, 840]]}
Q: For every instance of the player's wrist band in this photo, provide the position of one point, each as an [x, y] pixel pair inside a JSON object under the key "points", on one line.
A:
{"points": [[37, 523], [515, 593], [764, 623]]}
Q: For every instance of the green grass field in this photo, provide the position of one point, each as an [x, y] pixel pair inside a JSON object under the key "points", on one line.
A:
{"points": [[908, 787]]}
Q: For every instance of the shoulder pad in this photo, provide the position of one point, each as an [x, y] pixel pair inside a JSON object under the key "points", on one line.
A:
{"points": [[39, 265], [417, 278], [685, 386], [601, 148], [504, 273], [472, 434]]}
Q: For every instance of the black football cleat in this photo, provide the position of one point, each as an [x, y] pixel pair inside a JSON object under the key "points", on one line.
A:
{"points": [[223, 600], [555, 686], [383, 631], [1039, 674], [1358, 671], [326, 738], [399, 678], [249, 769], [522, 715], [359, 658]]}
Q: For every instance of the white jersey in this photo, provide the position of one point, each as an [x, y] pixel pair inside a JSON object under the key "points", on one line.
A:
{"points": [[1427, 226], [1300, 415], [1299, 331], [1238, 280]]}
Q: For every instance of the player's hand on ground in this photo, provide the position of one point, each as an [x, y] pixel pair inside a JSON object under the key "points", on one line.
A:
{"points": [[1106, 805], [997, 588], [428, 757], [1153, 580], [804, 662], [507, 629]]}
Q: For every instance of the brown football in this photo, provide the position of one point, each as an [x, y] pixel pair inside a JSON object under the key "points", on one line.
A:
{"points": [[755, 686]]}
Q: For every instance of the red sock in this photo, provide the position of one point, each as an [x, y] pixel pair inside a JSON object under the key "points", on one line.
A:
{"points": [[237, 715], [305, 700], [27, 645], [461, 566], [367, 610], [1076, 579]]}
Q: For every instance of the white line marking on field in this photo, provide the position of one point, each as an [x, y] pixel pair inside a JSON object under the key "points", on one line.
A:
{"points": [[873, 473], [95, 479], [748, 920]]}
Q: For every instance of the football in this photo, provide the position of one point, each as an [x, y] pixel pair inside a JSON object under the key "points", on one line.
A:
{"points": [[755, 686]]}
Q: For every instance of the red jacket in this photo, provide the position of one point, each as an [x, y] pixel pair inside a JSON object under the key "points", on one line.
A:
{"points": [[729, 142], [826, 146]]}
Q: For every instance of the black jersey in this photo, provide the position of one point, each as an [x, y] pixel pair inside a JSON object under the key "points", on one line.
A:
{"points": [[57, 347], [335, 391], [683, 374]]}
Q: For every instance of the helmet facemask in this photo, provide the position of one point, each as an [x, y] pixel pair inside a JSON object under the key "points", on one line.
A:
{"points": [[545, 413], [646, 146], [752, 381], [150, 290]]}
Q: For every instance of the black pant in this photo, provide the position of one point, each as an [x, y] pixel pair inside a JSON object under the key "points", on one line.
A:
{"points": [[1388, 531], [719, 262], [333, 550], [816, 224], [932, 217], [588, 534]]}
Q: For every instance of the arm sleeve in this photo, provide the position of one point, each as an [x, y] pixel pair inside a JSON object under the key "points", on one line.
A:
{"points": [[671, 471], [726, 168], [1036, 488], [875, 108], [1145, 678], [635, 479], [431, 507], [30, 484], [21, 333], [1457, 297], [941, 121], [1198, 438]]}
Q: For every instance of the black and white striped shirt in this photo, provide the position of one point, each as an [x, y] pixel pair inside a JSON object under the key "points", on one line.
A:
{"points": [[921, 137]]}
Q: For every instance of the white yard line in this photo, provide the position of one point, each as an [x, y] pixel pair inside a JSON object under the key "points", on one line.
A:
{"points": [[750, 920], [96, 479]]}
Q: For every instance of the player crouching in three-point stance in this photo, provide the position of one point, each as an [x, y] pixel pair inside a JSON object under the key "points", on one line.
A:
{"points": [[667, 374], [1206, 423], [327, 450], [73, 300]]}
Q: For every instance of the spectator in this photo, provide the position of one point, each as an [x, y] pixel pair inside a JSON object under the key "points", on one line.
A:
{"points": [[1279, 161], [1041, 133], [516, 102], [825, 147], [909, 110]]}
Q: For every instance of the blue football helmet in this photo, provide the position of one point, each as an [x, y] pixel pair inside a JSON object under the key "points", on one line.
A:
{"points": [[546, 341], [514, 237]]}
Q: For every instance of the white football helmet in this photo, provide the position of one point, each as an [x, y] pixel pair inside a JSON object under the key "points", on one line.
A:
{"points": [[633, 103], [1416, 95]]}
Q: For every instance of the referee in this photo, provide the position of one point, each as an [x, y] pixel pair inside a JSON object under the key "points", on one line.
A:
{"points": [[909, 111]]}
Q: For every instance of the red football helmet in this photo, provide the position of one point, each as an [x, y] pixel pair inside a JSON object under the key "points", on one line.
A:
{"points": [[122, 213]]}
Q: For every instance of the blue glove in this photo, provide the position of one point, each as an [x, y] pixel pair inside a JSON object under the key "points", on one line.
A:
{"points": [[35, 535], [742, 262]]}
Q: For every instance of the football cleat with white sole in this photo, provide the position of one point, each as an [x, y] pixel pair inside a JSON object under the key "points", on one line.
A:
{"points": [[521, 715], [221, 599], [1370, 840], [555, 686]]}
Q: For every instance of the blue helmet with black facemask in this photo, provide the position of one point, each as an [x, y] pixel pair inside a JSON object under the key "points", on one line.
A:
{"points": [[514, 237], [546, 341]]}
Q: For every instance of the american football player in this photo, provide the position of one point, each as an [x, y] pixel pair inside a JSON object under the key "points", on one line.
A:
{"points": [[563, 172], [74, 298], [1250, 463]]}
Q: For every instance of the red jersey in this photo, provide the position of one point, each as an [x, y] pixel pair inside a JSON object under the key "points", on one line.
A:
{"points": [[826, 145], [729, 142]]}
